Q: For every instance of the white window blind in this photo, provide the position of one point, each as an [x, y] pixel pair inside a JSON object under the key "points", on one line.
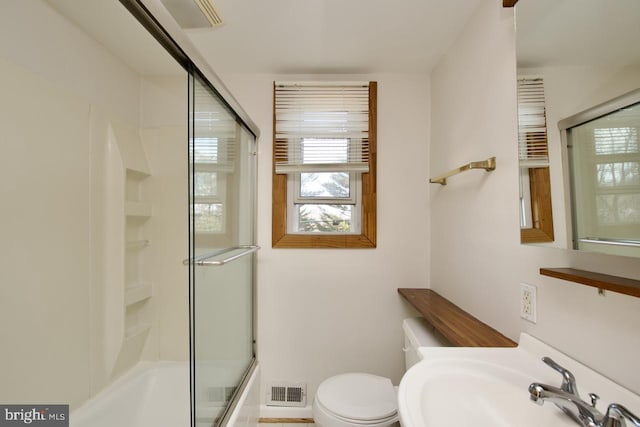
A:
{"points": [[321, 126], [532, 124]]}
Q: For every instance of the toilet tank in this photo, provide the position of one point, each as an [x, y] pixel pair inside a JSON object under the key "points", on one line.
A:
{"points": [[419, 333]]}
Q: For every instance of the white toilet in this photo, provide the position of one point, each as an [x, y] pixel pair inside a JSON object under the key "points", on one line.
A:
{"points": [[359, 399]]}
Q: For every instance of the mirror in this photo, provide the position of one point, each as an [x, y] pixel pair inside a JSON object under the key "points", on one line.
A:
{"points": [[585, 53]]}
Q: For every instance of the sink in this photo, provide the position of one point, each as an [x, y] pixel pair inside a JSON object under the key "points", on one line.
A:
{"points": [[462, 392], [454, 386]]}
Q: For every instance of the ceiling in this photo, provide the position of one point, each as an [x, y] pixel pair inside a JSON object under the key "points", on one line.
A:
{"points": [[332, 36], [289, 36], [364, 36]]}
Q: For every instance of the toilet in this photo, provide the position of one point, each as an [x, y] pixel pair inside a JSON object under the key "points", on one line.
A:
{"points": [[362, 399]]}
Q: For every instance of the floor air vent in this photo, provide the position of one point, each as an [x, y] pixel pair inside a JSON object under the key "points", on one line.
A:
{"points": [[287, 394]]}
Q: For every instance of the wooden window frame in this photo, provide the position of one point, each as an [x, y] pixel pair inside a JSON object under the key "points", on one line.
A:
{"points": [[541, 230], [541, 212], [367, 237]]}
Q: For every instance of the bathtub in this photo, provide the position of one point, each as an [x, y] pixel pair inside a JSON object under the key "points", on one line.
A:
{"points": [[150, 395], [157, 395]]}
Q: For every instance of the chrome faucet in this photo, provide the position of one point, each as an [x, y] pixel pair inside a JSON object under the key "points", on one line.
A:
{"points": [[566, 398]]}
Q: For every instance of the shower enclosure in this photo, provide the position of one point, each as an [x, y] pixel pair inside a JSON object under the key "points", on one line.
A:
{"points": [[127, 254], [221, 262]]}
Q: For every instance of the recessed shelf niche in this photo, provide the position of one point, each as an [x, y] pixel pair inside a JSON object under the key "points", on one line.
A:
{"points": [[138, 288]]}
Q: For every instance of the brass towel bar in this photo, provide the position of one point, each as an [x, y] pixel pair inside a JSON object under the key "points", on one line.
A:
{"points": [[488, 165]]}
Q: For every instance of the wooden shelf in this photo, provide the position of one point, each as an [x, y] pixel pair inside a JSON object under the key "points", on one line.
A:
{"points": [[458, 326], [617, 284]]}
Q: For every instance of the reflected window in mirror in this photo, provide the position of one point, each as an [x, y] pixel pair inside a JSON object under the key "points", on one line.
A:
{"points": [[605, 169], [536, 219], [583, 50]]}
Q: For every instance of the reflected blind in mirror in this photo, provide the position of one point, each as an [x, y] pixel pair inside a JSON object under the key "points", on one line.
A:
{"points": [[532, 123]]}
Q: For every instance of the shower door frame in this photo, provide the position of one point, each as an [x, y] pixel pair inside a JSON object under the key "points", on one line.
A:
{"points": [[161, 25], [195, 261]]}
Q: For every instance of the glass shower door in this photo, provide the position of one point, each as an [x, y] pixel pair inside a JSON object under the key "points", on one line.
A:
{"points": [[222, 246]]}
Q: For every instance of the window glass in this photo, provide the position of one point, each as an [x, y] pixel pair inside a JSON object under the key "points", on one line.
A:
{"points": [[325, 218], [325, 185]]}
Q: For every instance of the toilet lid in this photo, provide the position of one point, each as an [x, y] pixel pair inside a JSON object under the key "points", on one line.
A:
{"points": [[356, 396]]}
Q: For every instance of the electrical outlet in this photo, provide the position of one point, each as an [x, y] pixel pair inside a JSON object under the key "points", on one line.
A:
{"points": [[528, 302]]}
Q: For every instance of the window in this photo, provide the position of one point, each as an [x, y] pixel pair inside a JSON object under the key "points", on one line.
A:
{"points": [[536, 219], [324, 165]]}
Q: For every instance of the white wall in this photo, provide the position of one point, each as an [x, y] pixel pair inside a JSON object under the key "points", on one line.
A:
{"points": [[68, 58], [60, 89], [476, 258], [322, 312], [52, 81], [163, 115], [43, 290]]}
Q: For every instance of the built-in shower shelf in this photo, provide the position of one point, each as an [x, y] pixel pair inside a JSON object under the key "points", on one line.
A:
{"points": [[136, 294], [137, 330], [137, 174], [138, 209], [138, 244]]}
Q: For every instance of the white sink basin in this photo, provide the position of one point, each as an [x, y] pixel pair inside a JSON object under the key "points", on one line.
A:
{"points": [[489, 387]]}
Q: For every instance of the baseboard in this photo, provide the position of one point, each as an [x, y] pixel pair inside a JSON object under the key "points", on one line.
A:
{"points": [[285, 421]]}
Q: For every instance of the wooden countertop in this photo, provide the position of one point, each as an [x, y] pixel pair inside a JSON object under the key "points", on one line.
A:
{"points": [[458, 326]]}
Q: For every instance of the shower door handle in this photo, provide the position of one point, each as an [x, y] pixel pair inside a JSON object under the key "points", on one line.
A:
{"points": [[207, 261]]}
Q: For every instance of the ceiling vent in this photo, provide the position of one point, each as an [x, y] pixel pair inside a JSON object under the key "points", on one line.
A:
{"points": [[210, 12], [194, 14]]}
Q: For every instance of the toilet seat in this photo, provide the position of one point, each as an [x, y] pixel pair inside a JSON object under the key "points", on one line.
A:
{"points": [[358, 398]]}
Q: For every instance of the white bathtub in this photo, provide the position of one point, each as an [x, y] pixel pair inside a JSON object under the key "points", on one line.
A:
{"points": [[150, 395], [157, 395]]}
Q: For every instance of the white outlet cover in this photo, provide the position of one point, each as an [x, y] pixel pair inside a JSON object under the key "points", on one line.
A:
{"points": [[528, 296]]}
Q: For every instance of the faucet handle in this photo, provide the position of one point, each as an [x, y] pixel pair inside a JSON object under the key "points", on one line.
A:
{"points": [[568, 380], [616, 415], [594, 399]]}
